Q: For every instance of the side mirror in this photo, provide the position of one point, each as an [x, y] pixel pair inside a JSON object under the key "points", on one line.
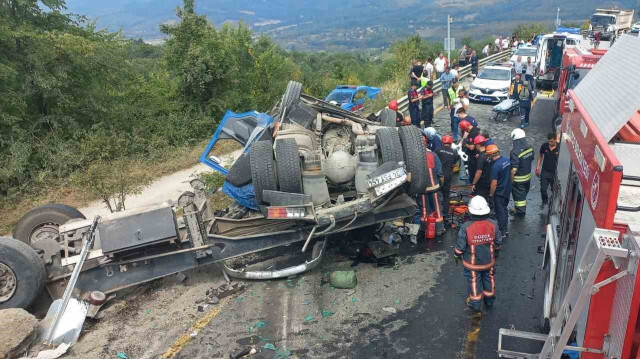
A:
{"points": [[215, 159]]}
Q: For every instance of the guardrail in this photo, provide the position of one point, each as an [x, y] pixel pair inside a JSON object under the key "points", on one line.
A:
{"points": [[403, 102]]}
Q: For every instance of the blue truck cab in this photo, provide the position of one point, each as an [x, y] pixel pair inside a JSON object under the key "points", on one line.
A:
{"points": [[352, 97]]}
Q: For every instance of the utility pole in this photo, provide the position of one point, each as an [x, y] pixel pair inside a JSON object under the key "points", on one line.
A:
{"points": [[558, 17], [449, 21]]}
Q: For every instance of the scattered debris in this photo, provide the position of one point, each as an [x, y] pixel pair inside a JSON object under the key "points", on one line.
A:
{"points": [[307, 302], [122, 355], [391, 310], [242, 352], [282, 354], [214, 294], [193, 334], [259, 325], [397, 301], [343, 279], [213, 300], [52, 353], [269, 346], [309, 318], [201, 308], [23, 331], [326, 313], [382, 249], [181, 277], [70, 321], [354, 299]]}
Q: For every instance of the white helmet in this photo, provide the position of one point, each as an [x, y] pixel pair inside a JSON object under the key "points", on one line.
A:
{"points": [[517, 134], [429, 132], [478, 206]]}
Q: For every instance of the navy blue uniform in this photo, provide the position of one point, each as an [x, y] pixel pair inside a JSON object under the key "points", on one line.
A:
{"points": [[501, 172], [414, 107], [426, 114]]}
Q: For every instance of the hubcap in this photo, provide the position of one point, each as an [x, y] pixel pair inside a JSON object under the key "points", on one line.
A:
{"points": [[46, 230], [8, 283]]}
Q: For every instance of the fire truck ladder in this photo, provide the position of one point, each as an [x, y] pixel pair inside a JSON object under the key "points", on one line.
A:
{"points": [[603, 245]]}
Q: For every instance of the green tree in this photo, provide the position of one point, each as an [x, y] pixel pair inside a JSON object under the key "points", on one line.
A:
{"points": [[527, 31]]}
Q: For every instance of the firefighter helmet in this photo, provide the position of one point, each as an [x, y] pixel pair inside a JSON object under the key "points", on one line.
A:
{"points": [[393, 105], [429, 132], [479, 139], [478, 206], [447, 139], [492, 150], [464, 125], [517, 134]]}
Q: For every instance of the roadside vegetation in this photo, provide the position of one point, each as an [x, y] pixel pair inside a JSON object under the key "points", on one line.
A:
{"points": [[87, 114]]}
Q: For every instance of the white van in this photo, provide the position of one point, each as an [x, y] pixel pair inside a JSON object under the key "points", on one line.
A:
{"points": [[549, 57]]}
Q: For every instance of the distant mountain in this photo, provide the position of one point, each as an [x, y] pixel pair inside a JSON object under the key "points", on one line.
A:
{"points": [[341, 24]]}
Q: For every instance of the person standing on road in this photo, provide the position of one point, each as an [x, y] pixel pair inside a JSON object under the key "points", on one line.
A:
{"points": [[474, 64], [518, 65], [416, 71], [426, 114], [478, 243], [431, 200], [393, 105], [452, 94], [521, 159], [596, 40], [530, 71], [428, 70], [500, 187], [521, 92], [548, 157], [456, 71], [440, 64], [433, 138], [485, 50], [462, 56], [448, 157], [446, 79], [482, 178], [414, 99], [469, 147]]}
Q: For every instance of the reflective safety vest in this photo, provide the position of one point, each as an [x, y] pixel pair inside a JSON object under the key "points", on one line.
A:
{"points": [[522, 158]]}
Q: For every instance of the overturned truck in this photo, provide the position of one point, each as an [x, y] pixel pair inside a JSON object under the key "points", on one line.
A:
{"points": [[308, 170]]}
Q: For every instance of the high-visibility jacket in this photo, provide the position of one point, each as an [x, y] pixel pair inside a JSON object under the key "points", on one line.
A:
{"points": [[522, 158], [478, 239]]}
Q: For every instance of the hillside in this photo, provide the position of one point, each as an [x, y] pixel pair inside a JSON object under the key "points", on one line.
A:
{"points": [[341, 24]]}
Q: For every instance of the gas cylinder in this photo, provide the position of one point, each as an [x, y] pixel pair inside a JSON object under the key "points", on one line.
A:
{"points": [[431, 227]]}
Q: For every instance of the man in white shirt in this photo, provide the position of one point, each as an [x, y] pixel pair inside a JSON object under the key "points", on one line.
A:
{"points": [[530, 72], [455, 71], [518, 65], [505, 43], [498, 44], [485, 50], [440, 64], [428, 69]]}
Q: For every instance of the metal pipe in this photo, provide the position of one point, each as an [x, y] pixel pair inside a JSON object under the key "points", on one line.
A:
{"points": [[355, 127]]}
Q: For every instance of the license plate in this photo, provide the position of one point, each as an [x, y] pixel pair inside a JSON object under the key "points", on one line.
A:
{"points": [[485, 98], [386, 177], [389, 186]]}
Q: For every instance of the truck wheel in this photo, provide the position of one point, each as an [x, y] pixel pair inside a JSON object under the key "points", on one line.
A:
{"points": [[288, 166], [263, 174], [415, 156], [43, 222], [389, 145], [292, 94], [387, 117], [240, 173], [22, 274]]}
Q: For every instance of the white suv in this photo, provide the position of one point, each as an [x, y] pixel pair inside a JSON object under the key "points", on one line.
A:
{"points": [[492, 84]]}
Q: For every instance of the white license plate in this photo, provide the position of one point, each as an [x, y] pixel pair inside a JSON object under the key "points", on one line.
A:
{"points": [[385, 177], [389, 186]]}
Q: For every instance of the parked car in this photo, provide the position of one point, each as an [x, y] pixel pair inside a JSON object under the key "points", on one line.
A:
{"points": [[525, 52], [352, 97], [492, 83], [636, 28]]}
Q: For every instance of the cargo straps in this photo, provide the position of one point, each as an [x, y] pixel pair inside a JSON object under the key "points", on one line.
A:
{"points": [[523, 178]]}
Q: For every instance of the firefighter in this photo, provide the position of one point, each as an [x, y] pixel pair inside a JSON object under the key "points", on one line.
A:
{"points": [[393, 105], [500, 187], [414, 100], [478, 243], [548, 158], [426, 114], [521, 159], [469, 133], [481, 179], [433, 138], [448, 157], [431, 200]]}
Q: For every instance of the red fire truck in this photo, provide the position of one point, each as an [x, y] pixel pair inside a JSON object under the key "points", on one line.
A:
{"points": [[592, 249]]}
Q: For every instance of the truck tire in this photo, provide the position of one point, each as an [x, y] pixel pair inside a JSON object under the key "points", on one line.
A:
{"points": [[415, 156], [240, 173], [387, 117], [44, 221], [288, 166], [22, 274], [263, 174], [389, 145], [292, 94]]}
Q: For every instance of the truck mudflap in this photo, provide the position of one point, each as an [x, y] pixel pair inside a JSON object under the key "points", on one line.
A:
{"points": [[316, 258]]}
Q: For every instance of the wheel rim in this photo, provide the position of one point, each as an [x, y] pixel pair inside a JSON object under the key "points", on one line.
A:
{"points": [[8, 283], [45, 231]]}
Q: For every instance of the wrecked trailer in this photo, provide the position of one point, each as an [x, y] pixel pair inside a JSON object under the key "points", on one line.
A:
{"points": [[369, 172]]}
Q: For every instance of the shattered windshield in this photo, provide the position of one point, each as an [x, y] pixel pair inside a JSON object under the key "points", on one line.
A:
{"points": [[339, 97], [601, 21], [495, 74]]}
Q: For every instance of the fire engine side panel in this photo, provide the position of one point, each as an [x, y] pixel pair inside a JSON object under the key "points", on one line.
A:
{"points": [[587, 225]]}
